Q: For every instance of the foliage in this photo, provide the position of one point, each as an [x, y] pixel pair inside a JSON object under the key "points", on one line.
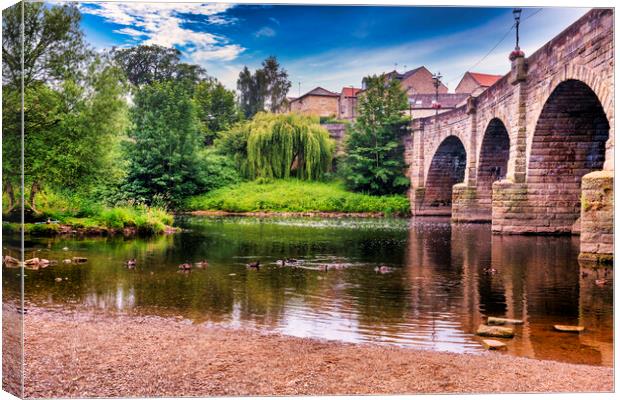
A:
{"points": [[216, 170], [269, 84], [375, 155], [293, 195], [234, 144], [280, 146], [165, 140], [277, 81], [252, 91], [54, 47], [146, 64], [217, 108], [71, 132]]}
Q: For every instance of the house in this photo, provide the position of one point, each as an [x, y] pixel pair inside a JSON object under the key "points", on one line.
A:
{"points": [[318, 101], [475, 83], [347, 103], [415, 81]]}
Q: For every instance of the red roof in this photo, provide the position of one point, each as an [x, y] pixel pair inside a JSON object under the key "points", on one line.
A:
{"points": [[350, 92], [485, 79]]}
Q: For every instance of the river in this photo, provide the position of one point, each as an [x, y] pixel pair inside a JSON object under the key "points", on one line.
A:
{"points": [[436, 290]]}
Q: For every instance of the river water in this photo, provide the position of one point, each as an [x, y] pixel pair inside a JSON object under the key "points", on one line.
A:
{"points": [[437, 291]]}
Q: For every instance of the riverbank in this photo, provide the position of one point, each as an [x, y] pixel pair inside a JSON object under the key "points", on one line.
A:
{"points": [[99, 355], [293, 197], [288, 214], [91, 219]]}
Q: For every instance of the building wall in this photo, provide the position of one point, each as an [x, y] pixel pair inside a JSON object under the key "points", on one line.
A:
{"points": [[347, 107], [323, 106], [421, 82], [468, 85]]}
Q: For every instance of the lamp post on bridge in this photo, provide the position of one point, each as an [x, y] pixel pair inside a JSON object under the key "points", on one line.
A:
{"points": [[516, 13], [436, 82]]}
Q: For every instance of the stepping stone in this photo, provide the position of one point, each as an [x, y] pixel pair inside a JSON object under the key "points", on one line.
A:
{"points": [[503, 321], [491, 344], [569, 328], [495, 331]]}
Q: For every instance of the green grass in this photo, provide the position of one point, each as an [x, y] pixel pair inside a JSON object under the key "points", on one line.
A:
{"points": [[295, 196], [86, 214]]}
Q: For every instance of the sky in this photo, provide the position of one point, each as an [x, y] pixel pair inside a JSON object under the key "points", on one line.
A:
{"points": [[327, 46]]}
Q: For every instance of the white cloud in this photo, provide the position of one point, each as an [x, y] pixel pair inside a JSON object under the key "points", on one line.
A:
{"points": [[265, 31], [163, 24]]}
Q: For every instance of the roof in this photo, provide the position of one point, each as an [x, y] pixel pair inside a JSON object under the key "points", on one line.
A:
{"points": [[447, 100], [484, 79], [318, 91], [404, 75], [350, 91]]}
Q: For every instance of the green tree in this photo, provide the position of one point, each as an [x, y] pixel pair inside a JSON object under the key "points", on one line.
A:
{"points": [[217, 108], [73, 103], [146, 64], [375, 160], [165, 140], [267, 85], [54, 47], [278, 84], [73, 131], [280, 146]]}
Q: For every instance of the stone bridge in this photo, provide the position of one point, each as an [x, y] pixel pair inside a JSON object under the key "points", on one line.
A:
{"points": [[533, 154]]}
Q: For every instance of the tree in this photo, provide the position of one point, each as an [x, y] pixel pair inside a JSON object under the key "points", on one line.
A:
{"points": [[252, 91], [280, 146], [165, 135], [146, 64], [375, 153], [54, 47], [73, 103], [217, 108], [268, 85], [278, 84]]}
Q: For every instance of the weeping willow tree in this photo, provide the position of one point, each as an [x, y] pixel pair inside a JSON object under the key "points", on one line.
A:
{"points": [[283, 146]]}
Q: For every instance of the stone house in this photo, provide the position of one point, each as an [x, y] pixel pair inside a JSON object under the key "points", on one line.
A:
{"points": [[318, 101], [416, 81], [475, 83]]}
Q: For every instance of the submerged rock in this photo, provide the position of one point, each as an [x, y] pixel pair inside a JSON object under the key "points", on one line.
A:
{"points": [[495, 331], [503, 321], [492, 344], [569, 328], [79, 260]]}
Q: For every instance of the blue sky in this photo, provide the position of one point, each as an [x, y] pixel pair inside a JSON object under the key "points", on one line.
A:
{"points": [[328, 46]]}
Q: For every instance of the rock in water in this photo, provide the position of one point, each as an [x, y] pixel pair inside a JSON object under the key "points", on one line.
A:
{"points": [[495, 331], [503, 321], [491, 344], [79, 260], [569, 328]]}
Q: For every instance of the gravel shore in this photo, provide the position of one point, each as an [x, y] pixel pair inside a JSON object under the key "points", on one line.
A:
{"points": [[100, 355]]}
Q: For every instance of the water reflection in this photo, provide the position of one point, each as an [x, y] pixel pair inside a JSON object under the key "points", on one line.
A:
{"points": [[438, 293]]}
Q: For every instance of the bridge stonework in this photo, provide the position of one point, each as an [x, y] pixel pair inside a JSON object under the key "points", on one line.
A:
{"points": [[533, 154]]}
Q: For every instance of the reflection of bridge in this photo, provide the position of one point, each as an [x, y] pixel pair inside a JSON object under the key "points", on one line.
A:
{"points": [[522, 153]]}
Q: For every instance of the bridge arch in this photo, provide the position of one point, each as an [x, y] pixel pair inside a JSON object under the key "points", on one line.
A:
{"points": [[492, 161], [446, 169], [568, 142]]}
